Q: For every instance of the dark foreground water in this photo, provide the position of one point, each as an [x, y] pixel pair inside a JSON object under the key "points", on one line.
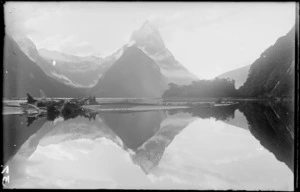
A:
{"points": [[248, 146]]}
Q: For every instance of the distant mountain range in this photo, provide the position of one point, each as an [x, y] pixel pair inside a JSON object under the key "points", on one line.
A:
{"points": [[143, 67], [69, 69], [84, 71], [30, 50], [22, 75], [238, 75]]}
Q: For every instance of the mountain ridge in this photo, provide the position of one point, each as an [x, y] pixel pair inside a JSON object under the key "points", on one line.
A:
{"points": [[272, 74], [22, 75], [148, 39], [134, 74]]}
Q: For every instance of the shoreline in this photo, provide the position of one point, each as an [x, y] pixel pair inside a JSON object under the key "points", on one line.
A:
{"points": [[97, 108]]}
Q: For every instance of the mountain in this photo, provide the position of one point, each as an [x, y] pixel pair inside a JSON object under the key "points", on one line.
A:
{"points": [[28, 47], [141, 68], [148, 39], [134, 74], [84, 71], [69, 69], [22, 75], [272, 75], [107, 77], [58, 56], [238, 75], [30, 50]]}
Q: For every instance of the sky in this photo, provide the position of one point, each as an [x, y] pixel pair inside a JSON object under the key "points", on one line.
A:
{"points": [[207, 38]]}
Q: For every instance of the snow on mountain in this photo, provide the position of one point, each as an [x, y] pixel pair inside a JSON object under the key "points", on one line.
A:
{"points": [[58, 56], [148, 39], [26, 76]]}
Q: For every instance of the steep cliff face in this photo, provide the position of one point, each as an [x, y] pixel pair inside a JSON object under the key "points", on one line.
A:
{"points": [[134, 74], [22, 75], [272, 75], [30, 50]]}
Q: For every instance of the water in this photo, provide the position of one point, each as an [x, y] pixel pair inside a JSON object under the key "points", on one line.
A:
{"points": [[249, 146]]}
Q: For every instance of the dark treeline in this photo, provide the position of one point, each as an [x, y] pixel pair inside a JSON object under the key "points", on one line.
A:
{"points": [[203, 88]]}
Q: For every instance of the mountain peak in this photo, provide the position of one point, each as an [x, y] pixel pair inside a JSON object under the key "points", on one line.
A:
{"points": [[147, 25], [148, 36]]}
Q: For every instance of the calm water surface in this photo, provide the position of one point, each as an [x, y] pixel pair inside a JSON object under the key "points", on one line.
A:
{"points": [[249, 146]]}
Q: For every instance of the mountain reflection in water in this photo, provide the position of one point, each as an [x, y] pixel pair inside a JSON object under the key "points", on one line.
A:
{"points": [[145, 136]]}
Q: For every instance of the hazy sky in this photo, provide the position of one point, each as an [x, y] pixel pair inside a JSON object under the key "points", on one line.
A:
{"points": [[207, 38]]}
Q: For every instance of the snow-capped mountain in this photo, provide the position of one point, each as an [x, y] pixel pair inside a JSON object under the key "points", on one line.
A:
{"points": [[141, 68], [132, 75], [30, 50], [92, 71], [150, 41], [23, 75], [78, 71], [58, 56], [84, 71]]}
